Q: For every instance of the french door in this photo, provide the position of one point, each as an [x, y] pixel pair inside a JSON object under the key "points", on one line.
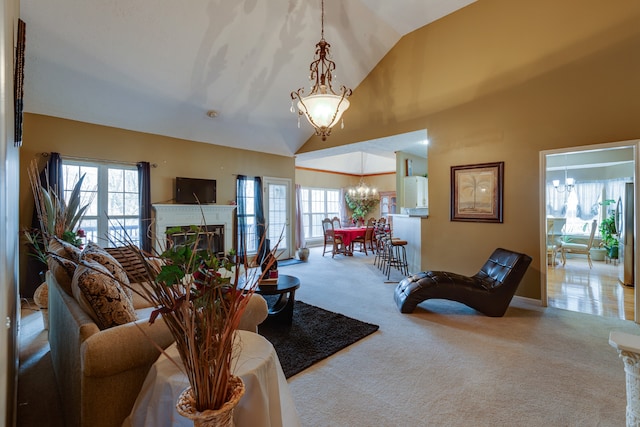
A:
{"points": [[277, 212]]}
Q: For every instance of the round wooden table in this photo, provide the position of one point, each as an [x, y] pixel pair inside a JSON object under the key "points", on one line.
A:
{"points": [[282, 310]]}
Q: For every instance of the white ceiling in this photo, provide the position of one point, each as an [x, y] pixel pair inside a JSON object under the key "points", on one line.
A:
{"points": [[159, 66]]}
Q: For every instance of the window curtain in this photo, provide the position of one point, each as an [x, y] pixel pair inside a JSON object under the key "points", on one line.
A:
{"points": [[556, 202], [144, 182], [260, 222], [300, 240], [54, 174], [343, 207], [241, 212], [588, 195]]}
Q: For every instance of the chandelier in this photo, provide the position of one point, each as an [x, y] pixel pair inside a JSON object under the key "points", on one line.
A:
{"points": [[362, 191], [323, 107], [568, 185]]}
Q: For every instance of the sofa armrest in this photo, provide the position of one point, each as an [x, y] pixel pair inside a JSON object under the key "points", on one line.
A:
{"points": [[124, 347]]}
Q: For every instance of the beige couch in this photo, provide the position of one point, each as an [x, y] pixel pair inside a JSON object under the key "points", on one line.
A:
{"points": [[100, 372]]}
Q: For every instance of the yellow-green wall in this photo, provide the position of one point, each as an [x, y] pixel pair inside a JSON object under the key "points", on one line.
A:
{"points": [[501, 80]]}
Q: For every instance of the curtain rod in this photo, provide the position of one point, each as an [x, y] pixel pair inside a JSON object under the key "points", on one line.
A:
{"points": [[87, 159]]}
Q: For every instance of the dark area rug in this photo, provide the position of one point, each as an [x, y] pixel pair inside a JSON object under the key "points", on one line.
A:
{"points": [[314, 334]]}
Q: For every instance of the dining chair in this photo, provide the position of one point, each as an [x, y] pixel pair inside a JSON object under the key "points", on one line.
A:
{"points": [[330, 238], [579, 248], [336, 222], [366, 239]]}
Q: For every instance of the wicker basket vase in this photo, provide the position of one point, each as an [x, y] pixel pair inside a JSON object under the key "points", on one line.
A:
{"points": [[222, 417]]}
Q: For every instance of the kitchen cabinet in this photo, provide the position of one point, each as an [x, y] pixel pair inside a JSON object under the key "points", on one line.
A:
{"points": [[416, 192]]}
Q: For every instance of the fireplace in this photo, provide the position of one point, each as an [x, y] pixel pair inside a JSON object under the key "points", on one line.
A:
{"points": [[207, 237], [216, 221]]}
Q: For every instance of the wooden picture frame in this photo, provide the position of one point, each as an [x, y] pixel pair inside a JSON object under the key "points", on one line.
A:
{"points": [[408, 163], [476, 192]]}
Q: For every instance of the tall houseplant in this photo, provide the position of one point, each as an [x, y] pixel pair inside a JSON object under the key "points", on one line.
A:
{"points": [[609, 235]]}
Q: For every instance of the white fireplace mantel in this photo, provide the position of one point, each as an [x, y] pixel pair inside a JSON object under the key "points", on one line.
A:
{"points": [[170, 215]]}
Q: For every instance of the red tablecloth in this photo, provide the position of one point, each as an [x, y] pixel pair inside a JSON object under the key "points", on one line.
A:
{"points": [[348, 234]]}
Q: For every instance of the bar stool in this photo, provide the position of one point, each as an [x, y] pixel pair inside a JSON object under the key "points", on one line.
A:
{"points": [[397, 257]]}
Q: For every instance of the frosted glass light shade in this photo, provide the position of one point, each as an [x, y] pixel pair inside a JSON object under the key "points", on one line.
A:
{"points": [[320, 109]]}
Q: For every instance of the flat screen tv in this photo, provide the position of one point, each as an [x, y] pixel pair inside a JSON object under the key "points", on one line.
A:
{"points": [[194, 190]]}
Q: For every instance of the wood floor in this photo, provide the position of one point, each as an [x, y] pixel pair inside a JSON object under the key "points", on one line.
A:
{"points": [[597, 291]]}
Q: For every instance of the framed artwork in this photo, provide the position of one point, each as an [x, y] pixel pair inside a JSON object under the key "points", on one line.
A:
{"points": [[18, 85], [408, 167], [476, 192]]}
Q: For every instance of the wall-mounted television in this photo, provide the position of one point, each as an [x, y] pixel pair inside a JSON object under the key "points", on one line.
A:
{"points": [[194, 190]]}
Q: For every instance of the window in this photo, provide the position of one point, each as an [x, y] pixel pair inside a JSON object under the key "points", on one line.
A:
{"points": [[317, 204], [247, 215], [583, 203], [113, 193]]}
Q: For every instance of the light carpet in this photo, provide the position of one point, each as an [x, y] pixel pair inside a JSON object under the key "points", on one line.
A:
{"points": [[444, 365], [447, 365]]}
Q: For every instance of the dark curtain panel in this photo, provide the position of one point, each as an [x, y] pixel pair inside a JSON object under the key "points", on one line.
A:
{"points": [[54, 174], [241, 211], [144, 180], [259, 209]]}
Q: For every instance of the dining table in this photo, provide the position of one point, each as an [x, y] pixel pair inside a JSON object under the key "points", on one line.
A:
{"points": [[348, 234]]}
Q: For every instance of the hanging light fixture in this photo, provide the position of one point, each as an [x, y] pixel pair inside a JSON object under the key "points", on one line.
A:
{"points": [[569, 183], [362, 192], [323, 107]]}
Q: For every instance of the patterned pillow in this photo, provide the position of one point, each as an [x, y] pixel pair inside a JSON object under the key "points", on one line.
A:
{"points": [[62, 270], [64, 249], [101, 296], [95, 253]]}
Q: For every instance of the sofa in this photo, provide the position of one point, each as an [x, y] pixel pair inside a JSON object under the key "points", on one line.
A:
{"points": [[100, 370]]}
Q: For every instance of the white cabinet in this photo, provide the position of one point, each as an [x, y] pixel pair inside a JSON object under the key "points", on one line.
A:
{"points": [[416, 193]]}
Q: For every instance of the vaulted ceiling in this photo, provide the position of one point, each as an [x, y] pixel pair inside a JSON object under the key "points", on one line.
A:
{"points": [[160, 66]]}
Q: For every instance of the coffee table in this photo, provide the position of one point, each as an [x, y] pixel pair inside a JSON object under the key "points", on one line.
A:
{"points": [[282, 310]]}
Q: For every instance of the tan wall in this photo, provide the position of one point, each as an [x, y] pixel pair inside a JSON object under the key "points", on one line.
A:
{"points": [[174, 157], [500, 81]]}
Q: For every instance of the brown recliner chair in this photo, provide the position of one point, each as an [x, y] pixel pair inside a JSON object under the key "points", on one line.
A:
{"points": [[489, 291]]}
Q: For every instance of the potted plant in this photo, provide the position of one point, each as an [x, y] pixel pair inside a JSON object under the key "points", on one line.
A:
{"points": [[361, 206], [201, 298], [608, 232]]}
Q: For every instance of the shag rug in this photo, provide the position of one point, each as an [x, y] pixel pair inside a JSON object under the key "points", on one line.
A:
{"points": [[314, 334]]}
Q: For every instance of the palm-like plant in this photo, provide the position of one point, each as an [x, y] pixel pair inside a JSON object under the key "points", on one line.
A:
{"points": [[56, 216]]}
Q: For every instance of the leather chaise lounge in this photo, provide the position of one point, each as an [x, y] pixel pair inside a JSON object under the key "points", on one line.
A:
{"points": [[489, 291]]}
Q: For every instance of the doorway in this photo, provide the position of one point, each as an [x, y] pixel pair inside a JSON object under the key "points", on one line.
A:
{"points": [[580, 185], [277, 212]]}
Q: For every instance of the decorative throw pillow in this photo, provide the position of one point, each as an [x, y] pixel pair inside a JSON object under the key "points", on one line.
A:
{"points": [[63, 270], [101, 296], [64, 249], [95, 253]]}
